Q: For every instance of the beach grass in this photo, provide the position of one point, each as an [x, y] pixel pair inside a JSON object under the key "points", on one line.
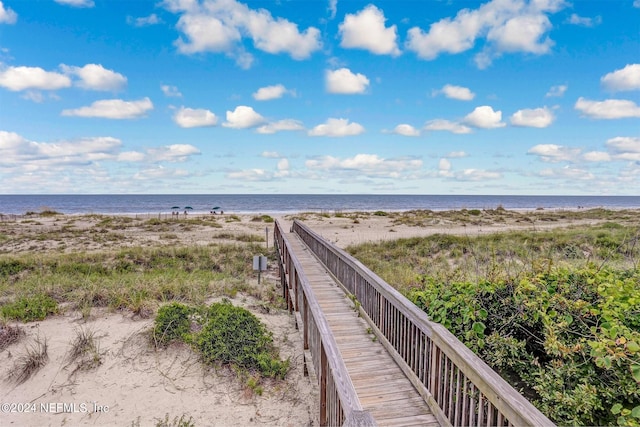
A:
{"points": [[135, 279]]}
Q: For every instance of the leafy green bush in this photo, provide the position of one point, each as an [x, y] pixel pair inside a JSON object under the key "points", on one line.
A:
{"points": [[233, 335], [30, 308], [226, 334], [171, 323], [571, 337]]}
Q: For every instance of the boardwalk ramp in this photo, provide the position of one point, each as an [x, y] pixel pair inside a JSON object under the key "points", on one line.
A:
{"points": [[378, 359]]}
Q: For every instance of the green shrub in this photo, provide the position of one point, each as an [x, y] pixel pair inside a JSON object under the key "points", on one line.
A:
{"points": [[234, 336], [172, 323], [570, 337], [30, 308]]}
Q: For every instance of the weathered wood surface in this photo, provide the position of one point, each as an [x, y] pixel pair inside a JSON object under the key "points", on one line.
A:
{"points": [[382, 388], [459, 387]]}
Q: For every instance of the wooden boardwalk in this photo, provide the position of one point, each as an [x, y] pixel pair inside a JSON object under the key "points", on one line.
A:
{"points": [[381, 386], [379, 359]]}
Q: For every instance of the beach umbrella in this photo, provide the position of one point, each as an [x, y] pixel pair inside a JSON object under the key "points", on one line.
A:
{"points": [[175, 207], [188, 207], [216, 208]]}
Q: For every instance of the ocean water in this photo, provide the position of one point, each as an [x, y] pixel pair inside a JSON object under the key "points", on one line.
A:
{"points": [[289, 203]]}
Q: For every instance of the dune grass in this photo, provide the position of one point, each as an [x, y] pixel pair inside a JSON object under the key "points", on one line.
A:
{"points": [[135, 279]]}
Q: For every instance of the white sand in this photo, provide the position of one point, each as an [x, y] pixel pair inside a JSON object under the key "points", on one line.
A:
{"points": [[137, 383]]}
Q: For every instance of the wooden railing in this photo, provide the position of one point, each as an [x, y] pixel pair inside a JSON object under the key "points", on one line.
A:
{"points": [[339, 403], [459, 387]]}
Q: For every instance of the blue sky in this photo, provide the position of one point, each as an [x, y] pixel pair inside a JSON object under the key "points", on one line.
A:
{"points": [[334, 96]]}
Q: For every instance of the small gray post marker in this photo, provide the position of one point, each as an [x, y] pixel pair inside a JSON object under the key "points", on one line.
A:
{"points": [[260, 264], [266, 235]]}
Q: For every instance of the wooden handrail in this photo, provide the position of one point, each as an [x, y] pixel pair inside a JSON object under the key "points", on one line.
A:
{"points": [[459, 387], [339, 403]]}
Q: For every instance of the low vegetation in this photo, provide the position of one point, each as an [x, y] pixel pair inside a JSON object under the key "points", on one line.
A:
{"points": [[36, 355], [33, 285], [84, 351], [556, 313], [223, 334], [29, 308], [9, 334]]}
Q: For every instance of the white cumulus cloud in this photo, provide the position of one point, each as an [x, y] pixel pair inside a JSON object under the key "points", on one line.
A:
{"points": [[343, 81], [366, 30], [7, 15], [444, 168], [507, 25], [406, 130], [336, 128], [220, 26], [446, 125], [627, 78], [280, 125], [625, 148], [536, 118], [171, 153], [370, 165], [607, 109], [484, 117], [460, 93], [96, 77], [113, 109], [191, 118], [21, 78], [555, 153], [597, 156], [36, 156], [243, 117], [270, 92]]}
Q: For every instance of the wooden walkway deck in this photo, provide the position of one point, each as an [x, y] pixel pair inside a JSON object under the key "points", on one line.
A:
{"points": [[381, 386], [378, 359]]}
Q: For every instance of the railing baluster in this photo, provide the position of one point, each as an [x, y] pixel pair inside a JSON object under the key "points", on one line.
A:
{"points": [[439, 365], [338, 399]]}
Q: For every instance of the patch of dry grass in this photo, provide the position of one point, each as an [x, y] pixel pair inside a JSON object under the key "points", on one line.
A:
{"points": [[9, 335], [35, 357]]}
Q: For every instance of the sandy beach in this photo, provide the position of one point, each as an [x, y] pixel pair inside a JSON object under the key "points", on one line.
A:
{"points": [[138, 384]]}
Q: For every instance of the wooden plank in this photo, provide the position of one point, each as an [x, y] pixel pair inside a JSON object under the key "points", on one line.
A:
{"points": [[378, 395], [368, 387], [390, 376], [419, 420], [375, 375]]}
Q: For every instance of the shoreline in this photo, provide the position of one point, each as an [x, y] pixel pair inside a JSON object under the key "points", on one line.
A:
{"points": [[318, 211]]}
